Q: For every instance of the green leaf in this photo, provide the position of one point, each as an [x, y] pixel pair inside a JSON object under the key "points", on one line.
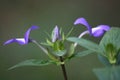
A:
{"points": [[83, 53], [111, 37], [108, 73], [32, 62], [85, 43]]}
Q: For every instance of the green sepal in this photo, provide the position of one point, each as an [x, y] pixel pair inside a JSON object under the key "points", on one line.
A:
{"points": [[60, 52], [49, 42], [71, 50], [58, 45], [63, 36], [111, 53], [52, 57]]}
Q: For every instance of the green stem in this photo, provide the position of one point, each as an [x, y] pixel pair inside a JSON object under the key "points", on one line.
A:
{"points": [[45, 51], [63, 69]]}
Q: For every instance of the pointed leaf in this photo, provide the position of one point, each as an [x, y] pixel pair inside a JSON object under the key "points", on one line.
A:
{"points": [[85, 43], [32, 62], [83, 53]]}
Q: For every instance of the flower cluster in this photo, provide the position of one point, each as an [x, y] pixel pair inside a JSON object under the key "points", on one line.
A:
{"points": [[58, 39], [96, 32]]}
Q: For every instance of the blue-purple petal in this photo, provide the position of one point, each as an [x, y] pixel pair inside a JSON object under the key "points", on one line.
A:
{"points": [[26, 36], [20, 41], [99, 30], [104, 27], [83, 22], [98, 33], [24, 40], [9, 41]]}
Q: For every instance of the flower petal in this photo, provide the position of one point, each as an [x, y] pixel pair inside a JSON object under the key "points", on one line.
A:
{"points": [[99, 30], [20, 41], [83, 22], [24, 40], [104, 27], [26, 36], [55, 34]]}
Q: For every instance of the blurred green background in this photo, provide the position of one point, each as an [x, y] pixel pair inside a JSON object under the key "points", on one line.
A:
{"points": [[16, 16]]}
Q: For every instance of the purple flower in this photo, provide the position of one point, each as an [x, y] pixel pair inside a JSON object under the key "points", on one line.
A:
{"points": [[96, 32], [22, 41], [99, 30], [55, 34]]}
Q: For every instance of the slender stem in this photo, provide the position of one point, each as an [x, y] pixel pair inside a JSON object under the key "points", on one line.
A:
{"points": [[63, 69], [45, 51], [42, 48], [81, 35]]}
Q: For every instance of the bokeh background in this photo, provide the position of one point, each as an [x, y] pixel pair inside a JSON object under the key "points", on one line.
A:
{"points": [[16, 16]]}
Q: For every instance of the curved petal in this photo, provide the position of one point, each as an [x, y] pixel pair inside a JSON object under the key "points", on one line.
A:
{"points": [[9, 41], [98, 33], [104, 27], [26, 36], [55, 34], [99, 30], [20, 41], [83, 22]]}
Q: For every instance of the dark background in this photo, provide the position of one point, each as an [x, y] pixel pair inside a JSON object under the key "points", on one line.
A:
{"points": [[16, 16]]}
